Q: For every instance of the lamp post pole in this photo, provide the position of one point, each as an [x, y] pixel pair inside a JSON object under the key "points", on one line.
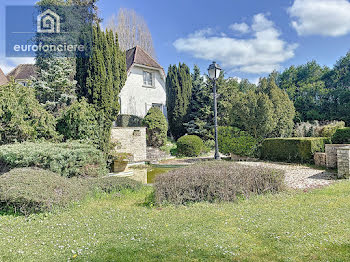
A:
{"points": [[214, 71], [217, 155]]}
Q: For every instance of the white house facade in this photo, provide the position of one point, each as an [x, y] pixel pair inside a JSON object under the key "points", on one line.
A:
{"points": [[145, 84]]}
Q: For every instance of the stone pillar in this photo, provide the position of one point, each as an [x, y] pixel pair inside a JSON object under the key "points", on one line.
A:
{"points": [[343, 154], [331, 152]]}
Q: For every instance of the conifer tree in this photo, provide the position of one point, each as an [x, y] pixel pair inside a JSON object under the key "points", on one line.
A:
{"points": [[200, 113], [100, 79], [54, 86], [179, 93]]}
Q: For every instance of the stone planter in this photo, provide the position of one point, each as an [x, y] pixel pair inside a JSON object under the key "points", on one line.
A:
{"points": [[119, 166]]}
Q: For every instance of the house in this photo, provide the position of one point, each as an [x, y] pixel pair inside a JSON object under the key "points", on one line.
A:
{"points": [[3, 78], [23, 73], [145, 84], [144, 87]]}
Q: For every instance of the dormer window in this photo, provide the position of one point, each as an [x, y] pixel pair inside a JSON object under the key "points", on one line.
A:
{"points": [[147, 79]]}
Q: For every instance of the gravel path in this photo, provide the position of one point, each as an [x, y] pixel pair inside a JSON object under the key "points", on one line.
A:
{"points": [[299, 177]]}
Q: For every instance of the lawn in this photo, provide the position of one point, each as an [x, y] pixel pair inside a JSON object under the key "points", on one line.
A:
{"points": [[292, 226]]}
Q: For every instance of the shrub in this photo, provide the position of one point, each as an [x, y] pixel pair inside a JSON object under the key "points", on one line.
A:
{"points": [[22, 118], [33, 190], [330, 129], [233, 140], [341, 136], [30, 190], [67, 159], [157, 127], [78, 122], [128, 121], [189, 146], [215, 181], [293, 149]]}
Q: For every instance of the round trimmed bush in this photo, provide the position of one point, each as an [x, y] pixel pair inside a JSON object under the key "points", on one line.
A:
{"points": [[189, 145], [341, 136]]}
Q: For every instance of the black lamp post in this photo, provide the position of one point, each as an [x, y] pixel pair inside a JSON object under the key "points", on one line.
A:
{"points": [[214, 71]]}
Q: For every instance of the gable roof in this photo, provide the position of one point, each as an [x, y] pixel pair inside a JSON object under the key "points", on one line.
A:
{"points": [[23, 72], [137, 55], [3, 78]]}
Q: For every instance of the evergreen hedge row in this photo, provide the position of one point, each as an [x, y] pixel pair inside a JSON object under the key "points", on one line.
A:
{"points": [[69, 159], [299, 149], [341, 136]]}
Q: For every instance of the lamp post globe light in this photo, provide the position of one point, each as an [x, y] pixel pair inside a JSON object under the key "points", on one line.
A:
{"points": [[214, 71]]}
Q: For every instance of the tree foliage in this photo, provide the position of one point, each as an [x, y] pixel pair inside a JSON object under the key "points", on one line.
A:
{"points": [[101, 77], [132, 30], [22, 117], [179, 93]]}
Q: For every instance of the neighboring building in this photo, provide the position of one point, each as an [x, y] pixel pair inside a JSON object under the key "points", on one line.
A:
{"points": [[3, 78], [23, 73], [145, 84]]}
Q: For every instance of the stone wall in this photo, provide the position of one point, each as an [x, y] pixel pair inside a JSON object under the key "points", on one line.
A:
{"points": [[331, 152], [155, 154], [343, 162], [130, 140], [320, 159]]}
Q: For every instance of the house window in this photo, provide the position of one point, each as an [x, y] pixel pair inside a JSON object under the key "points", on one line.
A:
{"points": [[160, 106], [147, 79]]}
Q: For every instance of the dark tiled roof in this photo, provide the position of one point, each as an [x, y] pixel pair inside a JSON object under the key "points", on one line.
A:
{"points": [[3, 78], [138, 56], [23, 72]]}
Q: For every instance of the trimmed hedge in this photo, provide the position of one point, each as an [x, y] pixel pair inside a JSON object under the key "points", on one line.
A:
{"points": [[128, 121], [341, 136], [215, 182], [233, 140], [32, 190], [157, 127], [189, 145], [67, 159], [296, 149]]}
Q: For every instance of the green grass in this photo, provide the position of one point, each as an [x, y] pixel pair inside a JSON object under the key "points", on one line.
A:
{"points": [[292, 226]]}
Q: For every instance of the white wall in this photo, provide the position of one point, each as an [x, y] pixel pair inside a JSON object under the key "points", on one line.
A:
{"points": [[136, 99]]}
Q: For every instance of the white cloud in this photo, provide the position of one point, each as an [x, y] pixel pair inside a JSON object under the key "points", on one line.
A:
{"points": [[260, 54], [7, 64], [240, 27], [321, 17]]}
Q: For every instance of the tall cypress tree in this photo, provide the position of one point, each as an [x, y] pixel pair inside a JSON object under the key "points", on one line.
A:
{"points": [[179, 93], [100, 79]]}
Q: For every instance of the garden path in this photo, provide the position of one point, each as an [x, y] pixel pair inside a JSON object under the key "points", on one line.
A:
{"points": [[299, 176]]}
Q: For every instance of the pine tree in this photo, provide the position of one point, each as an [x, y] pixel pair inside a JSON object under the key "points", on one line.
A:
{"points": [[179, 93], [54, 85], [200, 113]]}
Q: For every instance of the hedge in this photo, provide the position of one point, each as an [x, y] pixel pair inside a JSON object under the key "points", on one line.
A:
{"points": [[67, 159], [32, 190], [299, 149], [189, 145], [157, 127], [341, 136], [216, 182], [128, 121]]}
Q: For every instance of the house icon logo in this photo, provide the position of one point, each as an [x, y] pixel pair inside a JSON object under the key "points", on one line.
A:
{"points": [[48, 22]]}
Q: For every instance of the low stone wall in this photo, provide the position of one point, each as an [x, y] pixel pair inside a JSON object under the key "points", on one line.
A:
{"points": [[331, 152], [155, 154], [130, 140], [320, 159], [343, 162]]}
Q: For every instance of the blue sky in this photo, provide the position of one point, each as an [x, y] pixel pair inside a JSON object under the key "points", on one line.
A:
{"points": [[249, 38]]}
